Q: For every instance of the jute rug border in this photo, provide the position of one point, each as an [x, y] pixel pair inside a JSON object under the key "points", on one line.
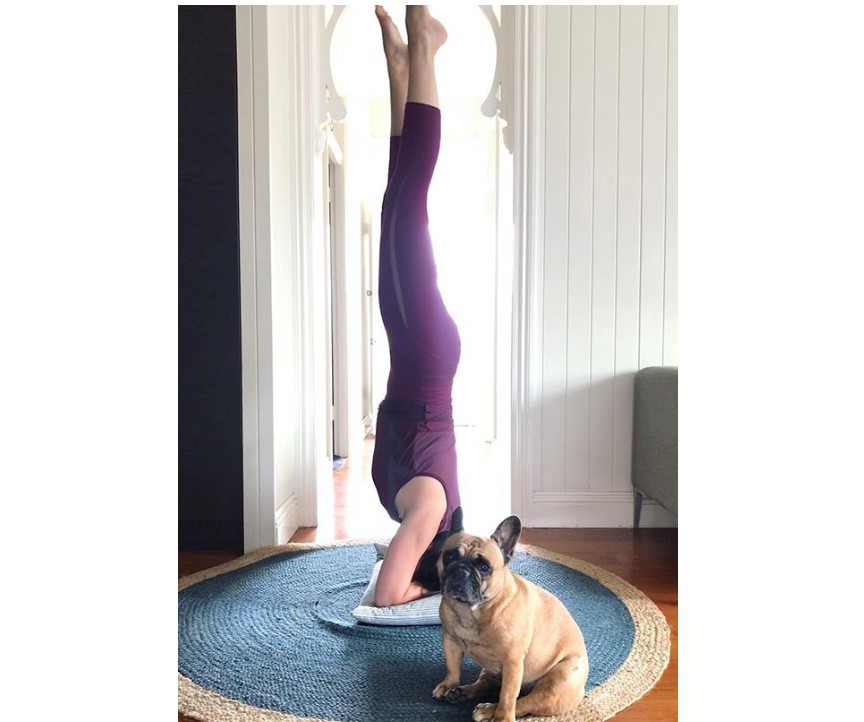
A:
{"points": [[642, 669]]}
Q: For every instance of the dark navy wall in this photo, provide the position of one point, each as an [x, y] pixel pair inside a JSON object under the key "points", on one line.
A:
{"points": [[210, 487]]}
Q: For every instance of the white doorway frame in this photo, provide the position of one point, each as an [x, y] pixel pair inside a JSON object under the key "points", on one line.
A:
{"points": [[521, 45], [282, 239], [281, 140], [342, 409]]}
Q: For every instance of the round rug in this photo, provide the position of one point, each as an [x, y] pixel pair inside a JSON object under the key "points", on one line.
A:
{"points": [[270, 637]]}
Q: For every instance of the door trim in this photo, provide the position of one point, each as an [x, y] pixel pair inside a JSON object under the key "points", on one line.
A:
{"points": [[281, 124]]}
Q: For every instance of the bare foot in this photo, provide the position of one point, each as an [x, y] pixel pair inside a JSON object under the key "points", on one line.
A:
{"points": [[423, 30], [395, 50]]}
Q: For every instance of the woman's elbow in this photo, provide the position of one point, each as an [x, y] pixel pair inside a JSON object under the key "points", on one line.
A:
{"points": [[386, 598]]}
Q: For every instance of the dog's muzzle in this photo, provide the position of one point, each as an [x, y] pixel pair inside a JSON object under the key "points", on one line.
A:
{"points": [[459, 581]]}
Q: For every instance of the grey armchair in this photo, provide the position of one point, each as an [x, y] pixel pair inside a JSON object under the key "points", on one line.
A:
{"points": [[654, 470]]}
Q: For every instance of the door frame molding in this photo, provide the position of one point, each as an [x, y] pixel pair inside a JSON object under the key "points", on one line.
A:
{"points": [[522, 26], [260, 30], [281, 137]]}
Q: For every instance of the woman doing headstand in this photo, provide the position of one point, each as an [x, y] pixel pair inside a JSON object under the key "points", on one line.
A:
{"points": [[414, 462]]}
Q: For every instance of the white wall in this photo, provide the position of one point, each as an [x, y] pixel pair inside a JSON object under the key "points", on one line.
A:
{"points": [[603, 253]]}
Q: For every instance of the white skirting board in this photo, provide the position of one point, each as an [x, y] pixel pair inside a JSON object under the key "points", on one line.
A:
{"points": [[586, 509]]}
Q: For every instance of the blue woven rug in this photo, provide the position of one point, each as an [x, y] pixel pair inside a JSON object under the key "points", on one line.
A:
{"points": [[271, 636]]}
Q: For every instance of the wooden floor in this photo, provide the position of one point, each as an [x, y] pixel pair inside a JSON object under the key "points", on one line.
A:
{"points": [[647, 558]]}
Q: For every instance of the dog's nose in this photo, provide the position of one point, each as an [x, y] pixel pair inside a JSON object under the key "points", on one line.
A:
{"points": [[461, 571]]}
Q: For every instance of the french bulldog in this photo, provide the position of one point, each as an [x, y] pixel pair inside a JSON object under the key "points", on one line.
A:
{"points": [[521, 635]]}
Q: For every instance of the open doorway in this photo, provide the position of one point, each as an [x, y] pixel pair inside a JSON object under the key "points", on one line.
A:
{"points": [[470, 210]]}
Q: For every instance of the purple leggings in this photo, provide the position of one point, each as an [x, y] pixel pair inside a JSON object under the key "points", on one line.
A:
{"points": [[414, 434]]}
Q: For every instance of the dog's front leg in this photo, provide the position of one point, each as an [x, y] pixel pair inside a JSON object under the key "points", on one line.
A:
{"points": [[453, 658], [511, 683]]}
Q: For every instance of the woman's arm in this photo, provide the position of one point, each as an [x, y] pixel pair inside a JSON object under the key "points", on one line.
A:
{"points": [[424, 503], [394, 580]]}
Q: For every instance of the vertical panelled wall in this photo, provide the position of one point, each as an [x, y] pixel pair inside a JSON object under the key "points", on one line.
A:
{"points": [[605, 258]]}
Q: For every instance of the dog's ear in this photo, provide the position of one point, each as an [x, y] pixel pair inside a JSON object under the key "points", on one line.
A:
{"points": [[426, 572], [456, 521], [506, 536]]}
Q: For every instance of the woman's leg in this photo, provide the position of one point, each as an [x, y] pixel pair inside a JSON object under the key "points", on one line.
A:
{"points": [[406, 242], [425, 36], [396, 55]]}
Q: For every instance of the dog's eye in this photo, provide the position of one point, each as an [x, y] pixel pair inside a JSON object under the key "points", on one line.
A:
{"points": [[483, 567], [451, 555]]}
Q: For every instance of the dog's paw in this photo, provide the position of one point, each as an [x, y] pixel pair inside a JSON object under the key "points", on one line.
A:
{"points": [[441, 690], [456, 695], [484, 711]]}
